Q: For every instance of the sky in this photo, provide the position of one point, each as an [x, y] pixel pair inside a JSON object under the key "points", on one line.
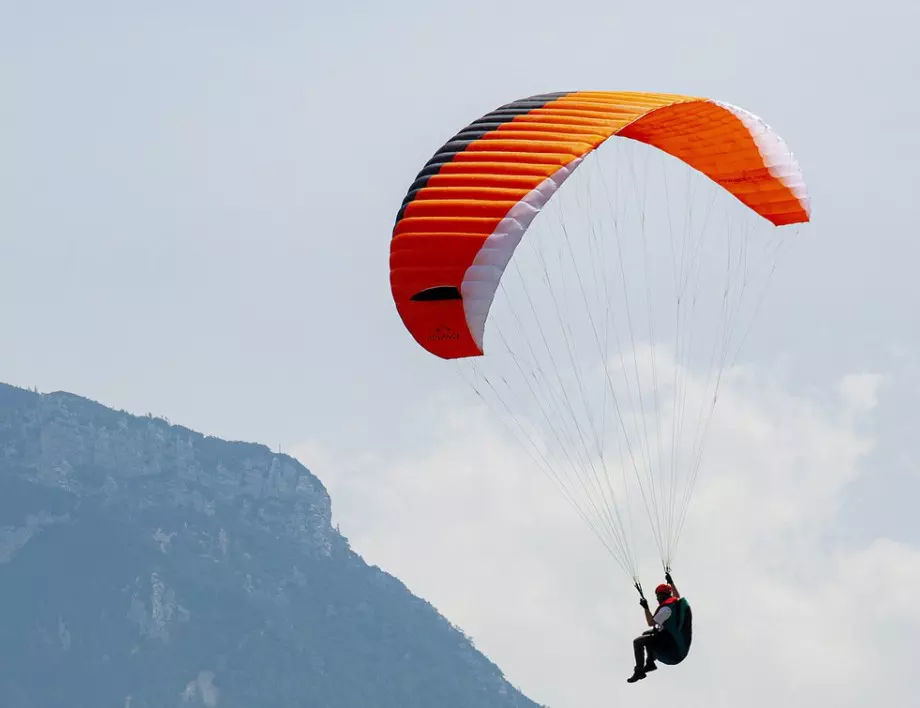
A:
{"points": [[196, 203]]}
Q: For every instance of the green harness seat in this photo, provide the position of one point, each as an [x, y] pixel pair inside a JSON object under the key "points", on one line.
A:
{"points": [[679, 628]]}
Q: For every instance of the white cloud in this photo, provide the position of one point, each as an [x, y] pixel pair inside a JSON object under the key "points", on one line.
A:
{"points": [[782, 616], [860, 390]]}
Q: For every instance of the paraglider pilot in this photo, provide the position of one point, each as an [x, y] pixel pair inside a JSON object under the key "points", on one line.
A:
{"points": [[669, 638]]}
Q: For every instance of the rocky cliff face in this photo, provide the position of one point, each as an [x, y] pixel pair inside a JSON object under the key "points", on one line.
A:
{"points": [[145, 565]]}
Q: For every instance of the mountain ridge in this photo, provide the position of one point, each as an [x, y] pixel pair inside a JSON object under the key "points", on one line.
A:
{"points": [[153, 565]]}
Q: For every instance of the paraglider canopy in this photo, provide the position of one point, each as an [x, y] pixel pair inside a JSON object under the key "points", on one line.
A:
{"points": [[471, 203]]}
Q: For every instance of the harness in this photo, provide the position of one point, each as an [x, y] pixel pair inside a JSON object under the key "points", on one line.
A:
{"points": [[679, 628]]}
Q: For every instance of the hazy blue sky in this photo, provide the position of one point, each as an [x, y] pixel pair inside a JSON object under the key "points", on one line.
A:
{"points": [[195, 208]]}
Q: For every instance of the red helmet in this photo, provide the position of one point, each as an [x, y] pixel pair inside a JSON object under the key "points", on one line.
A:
{"points": [[664, 589]]}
